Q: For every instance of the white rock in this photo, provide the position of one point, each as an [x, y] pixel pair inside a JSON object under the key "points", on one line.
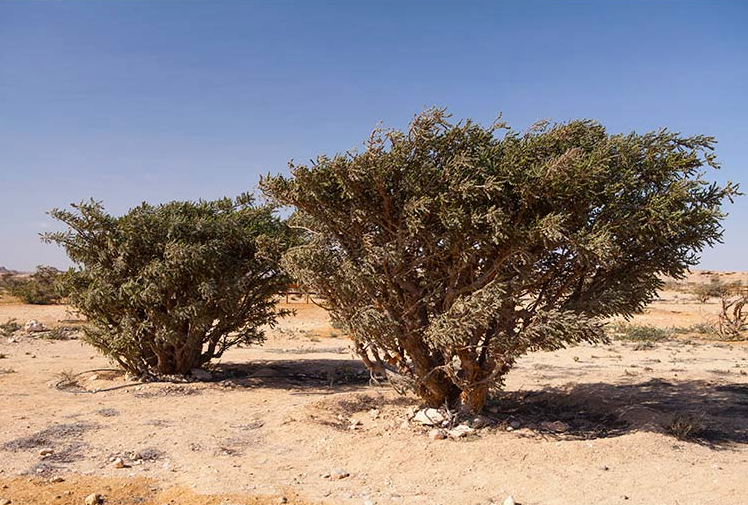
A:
{"points": [[201, 375], [437, 434], [57, 479], [4, 501], [92, 499], [46, 452], [338, 474], [429, 417], [460, 431], [33, 326], [118, 463], [509, 501]]}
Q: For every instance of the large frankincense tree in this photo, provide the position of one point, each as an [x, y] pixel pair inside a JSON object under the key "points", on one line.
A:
{"points": [[167, 288], [450, 250]]}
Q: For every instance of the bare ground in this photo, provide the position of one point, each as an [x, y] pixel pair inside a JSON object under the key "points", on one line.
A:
{"points": [[277, 421]]}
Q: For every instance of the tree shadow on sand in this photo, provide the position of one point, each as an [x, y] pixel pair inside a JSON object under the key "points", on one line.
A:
{"points": [[312, 374], [715, 415]]}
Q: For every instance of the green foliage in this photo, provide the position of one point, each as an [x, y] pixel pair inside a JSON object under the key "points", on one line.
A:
{"points": [[43, 287], [639, 332], [451, 249], [167, 288]]}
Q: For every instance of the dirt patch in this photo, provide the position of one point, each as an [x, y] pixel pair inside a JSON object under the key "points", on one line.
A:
{"points": [[74, 489]]}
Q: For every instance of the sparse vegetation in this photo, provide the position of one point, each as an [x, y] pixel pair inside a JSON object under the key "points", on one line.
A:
{"points": [[715, 288], [732, 318], [639, 332], [167, 288], [685, 426], [448, 250], [9, 327]]}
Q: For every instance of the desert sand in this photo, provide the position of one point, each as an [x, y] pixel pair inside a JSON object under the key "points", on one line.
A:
{"points": [[298, 420]]}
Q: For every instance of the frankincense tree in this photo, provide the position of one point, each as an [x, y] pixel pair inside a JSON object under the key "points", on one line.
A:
{"points": [[167, 288], [449, 250]]}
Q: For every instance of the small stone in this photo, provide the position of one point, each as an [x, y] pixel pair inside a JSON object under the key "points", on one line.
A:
{"points": [[118, 463], [460, 431], [437, 434], [338, 474], [46, 451], [509, 428], [557, 426], [374, 413], [509, 501], [604, 468], [282, 499], [515, 424], [370, 502], [429, 417], [5, 501], [481, 422], [57, 479], [201, 375], [92, 499]]}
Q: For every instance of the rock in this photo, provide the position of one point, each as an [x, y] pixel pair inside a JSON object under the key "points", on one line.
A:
{"points": [[509, 428], [429, 417], [118, 463], [370, 502], [33, 326], [481, 422], [57, 479], [460, 431], [557, 426], [92, 499], [5, 501], [46, 451], [282, 499], [374, 413], [509, 501], [515, 425], [201, 375], [437, 434], [338, 474]]}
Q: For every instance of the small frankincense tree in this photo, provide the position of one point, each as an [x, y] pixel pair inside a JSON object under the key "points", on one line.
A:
{"points": [[449, 250], [167, 288]]}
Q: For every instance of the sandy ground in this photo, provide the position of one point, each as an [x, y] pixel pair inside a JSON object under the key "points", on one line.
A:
{"points": [[277, 421]]}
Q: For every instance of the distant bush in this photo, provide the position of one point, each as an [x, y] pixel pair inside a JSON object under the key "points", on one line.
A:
{"points": [[715, 288], [167, 288], [43, 287]]}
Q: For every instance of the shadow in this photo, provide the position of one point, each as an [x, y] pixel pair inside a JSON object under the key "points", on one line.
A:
{"points": [[311, 374], [703, 412]]}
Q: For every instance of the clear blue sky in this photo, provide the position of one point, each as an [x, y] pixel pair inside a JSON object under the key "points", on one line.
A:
{"points": [[133, 100]]}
